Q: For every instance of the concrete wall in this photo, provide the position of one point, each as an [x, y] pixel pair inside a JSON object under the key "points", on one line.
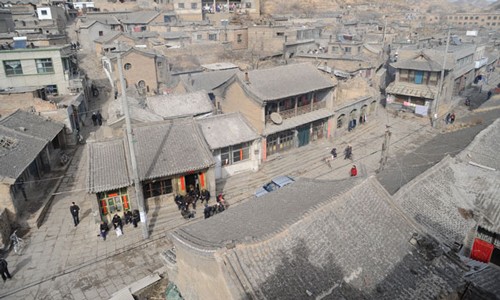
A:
{"points": [[199, 275], [235, 99], [252, 164], [30, 77], [87, 35]]}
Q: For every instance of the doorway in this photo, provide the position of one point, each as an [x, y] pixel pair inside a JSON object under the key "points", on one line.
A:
{"points": [[303, 135]]}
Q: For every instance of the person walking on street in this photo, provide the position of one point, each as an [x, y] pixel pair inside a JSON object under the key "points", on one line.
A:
{"points": [[99, 118], [4, 270], [75, 210], [348, 152], [136, 217], [354, 171], [452, 118], [94, 119]]}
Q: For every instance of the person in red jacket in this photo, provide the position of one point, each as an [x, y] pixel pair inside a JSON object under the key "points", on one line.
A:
{"points": [[354, 171]]}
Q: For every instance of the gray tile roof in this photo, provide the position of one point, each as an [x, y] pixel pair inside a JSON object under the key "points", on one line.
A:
{"points": [[33, 125], [207, 81], [169, 148], [180, 105], [226, 130], [107, 37], [484, 148], [284, 81], [139, 17], [409, 89], [435, 198], [107, 166], [484, 283], [314, 239], [297, 121], [423, 60], [16, 158], [104, 19]]}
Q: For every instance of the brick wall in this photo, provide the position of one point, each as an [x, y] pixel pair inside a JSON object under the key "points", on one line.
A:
{"points": [[5, 229]]}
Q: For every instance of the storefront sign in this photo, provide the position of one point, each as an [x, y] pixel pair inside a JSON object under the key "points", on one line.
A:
{"points": [[481, 251]]}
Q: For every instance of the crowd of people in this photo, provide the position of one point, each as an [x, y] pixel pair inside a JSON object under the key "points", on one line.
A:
{"points": [[117, 221], [192, 197]]}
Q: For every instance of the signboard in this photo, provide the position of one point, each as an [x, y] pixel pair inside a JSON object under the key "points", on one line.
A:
{"points": [[471, 33], [481, 251]]}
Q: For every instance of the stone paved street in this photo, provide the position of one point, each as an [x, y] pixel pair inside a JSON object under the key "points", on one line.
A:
{"points": [[66, 262]]}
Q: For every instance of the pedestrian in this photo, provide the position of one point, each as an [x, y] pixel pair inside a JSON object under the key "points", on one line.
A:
{"points": [[452, 118], [204, 195], [117, 222], [447, 118], [128, 217], [206, 211], [489, 95], [4, 270], [136, 217], [99, 118], [103, 230], [334, 153], [354, 171], [75, 210], [348, 152], [116, 95], [94, 119]]}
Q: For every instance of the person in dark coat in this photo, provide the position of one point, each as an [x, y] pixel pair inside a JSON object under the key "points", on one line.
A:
{"points": [[136, 217], [99, 118], [179, 201], [94, 119], [206, 211], [75, 210], [204, 195], [117, 222], [103, 230], [128, 217], [4, 270], [348, 152], [186, 213]]}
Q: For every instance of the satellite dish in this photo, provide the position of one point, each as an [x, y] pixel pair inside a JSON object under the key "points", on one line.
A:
{"points": [[276, 118]]}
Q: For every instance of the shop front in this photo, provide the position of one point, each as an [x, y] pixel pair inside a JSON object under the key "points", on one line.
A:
{"points": [[113, 202]]}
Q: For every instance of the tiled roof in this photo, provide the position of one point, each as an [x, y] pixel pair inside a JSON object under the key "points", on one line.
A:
{"points": [[104, 19], [234, 127], [423, 60], [33, 125], [17, 152], [169, 148], [324, 239], [484, 283], [107, 166], [484, 148], [297, 121], [106, 38], [207, 81], [435, 199], [414, 90], [180, 105], [139, 17], [284, 81]]}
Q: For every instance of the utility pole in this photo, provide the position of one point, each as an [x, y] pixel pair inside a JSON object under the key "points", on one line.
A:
{"points": [[385, 149], [435, 110], [137, 182]]}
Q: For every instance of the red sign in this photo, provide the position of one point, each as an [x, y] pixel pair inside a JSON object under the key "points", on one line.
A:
{"points": [[481, 251]]}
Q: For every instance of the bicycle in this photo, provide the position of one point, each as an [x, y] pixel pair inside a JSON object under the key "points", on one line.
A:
{"points": [[17, 242]]}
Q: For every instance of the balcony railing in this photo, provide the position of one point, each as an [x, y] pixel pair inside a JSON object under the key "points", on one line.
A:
{"points": [[290, 113]]}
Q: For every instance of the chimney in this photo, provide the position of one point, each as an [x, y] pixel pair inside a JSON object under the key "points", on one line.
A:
{"points": [[247, 79]]}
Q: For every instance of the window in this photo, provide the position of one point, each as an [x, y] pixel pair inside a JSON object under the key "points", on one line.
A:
{"points": [[198, 37], [433, 78], [280, 33], [43, 12], [248, 5], [419, 76], [234, 154], [347, 49], [239, 39], [51, 89], [194, 5], [159, 64], [495, 17], [127, 66], [44, 65], [141, 84], [113, 201], [13, 67], [212, 36], [489, 17], [157, 187], [101, 33], [180, 5]]}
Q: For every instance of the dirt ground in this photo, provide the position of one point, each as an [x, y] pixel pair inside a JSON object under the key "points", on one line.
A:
{"points": [[155, 291]]}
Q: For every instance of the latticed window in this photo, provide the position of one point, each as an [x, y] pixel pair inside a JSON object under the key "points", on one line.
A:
{"points": [[44, 65], [157, 188], [234, 154], [13, 67]]}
